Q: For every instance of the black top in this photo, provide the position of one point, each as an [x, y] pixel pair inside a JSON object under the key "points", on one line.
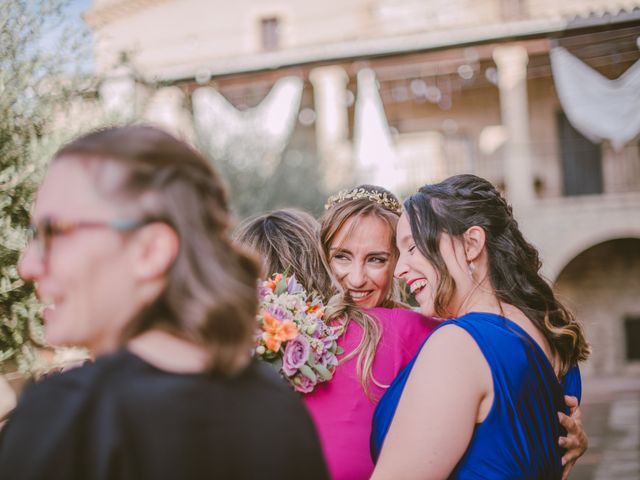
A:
{"points": [[121, 418]]}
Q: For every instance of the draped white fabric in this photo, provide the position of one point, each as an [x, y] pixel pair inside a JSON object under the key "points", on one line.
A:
{"points": [[118, 93], [257, 134], [373, 147], [166, 108], [597, 107]]}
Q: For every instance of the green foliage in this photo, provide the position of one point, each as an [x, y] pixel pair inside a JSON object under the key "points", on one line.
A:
{"points": [[293, 182], [258, 184], [37, 53]]}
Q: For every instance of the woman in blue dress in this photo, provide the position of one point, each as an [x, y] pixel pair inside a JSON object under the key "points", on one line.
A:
{"points": [[480, 398]]}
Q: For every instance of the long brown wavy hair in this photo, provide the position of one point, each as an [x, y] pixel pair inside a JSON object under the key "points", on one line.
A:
{"points": [[463, 201], [210, 296]]}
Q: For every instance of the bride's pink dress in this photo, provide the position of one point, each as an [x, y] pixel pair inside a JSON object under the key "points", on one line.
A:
{"points": [[340, 409]]}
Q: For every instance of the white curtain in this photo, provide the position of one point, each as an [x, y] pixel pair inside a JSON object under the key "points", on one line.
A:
{"points": [[166, 108], [255, 135], [597, 107], [373, 146]]}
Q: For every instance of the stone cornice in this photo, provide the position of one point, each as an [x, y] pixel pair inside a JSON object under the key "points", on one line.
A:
{"points": [[384, 46], [99, 16]]}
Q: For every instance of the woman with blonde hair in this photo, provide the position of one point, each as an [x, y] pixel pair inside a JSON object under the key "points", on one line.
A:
{"points": [[357, 233], [378, 341], [131, 256]]}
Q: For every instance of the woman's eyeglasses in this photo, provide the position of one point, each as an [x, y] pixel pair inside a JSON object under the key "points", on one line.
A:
{"points": [[48, 228]]}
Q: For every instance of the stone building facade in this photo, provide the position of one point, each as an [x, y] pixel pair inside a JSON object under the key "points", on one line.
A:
{"points": [[463, 86]]}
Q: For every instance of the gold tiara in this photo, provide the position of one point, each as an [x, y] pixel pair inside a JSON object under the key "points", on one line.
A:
{"points": [[382, 198]]}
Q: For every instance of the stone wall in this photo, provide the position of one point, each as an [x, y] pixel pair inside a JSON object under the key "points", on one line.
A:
{"points": [[602, 286]]}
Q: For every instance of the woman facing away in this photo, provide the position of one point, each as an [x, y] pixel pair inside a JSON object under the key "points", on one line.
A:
{"points": [[480, 399], [131, 256], [378, 341], [287, 240]]}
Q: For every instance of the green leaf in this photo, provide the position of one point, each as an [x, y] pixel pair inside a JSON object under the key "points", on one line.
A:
{"points": [[307, 372], [281, 287], [310, 359], [324, 372]]}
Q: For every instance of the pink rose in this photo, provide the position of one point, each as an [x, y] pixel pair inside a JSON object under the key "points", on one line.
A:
{"points": [[305, 385], [295, 355]]}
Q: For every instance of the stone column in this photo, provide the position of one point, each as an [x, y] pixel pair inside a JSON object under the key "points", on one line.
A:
{"points": [[166, 109], [512, 82], [118, 94], [332, 123]]}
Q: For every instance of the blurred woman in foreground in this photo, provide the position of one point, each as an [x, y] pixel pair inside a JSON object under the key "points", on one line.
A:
{"points": [[131, 256]]}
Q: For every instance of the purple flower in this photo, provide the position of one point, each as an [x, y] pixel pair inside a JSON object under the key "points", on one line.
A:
{"points": [[318, 332], [293, 287], [328, 340], [305, 385], [326, 359], [263, 292], [295, 355], [278, 312], [318, 356]]}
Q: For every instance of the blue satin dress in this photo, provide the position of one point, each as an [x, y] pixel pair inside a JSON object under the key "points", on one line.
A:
{"points": [[519, 437]]}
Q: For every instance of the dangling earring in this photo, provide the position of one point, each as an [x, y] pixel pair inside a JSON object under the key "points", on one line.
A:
{"points": [[472, 269]]}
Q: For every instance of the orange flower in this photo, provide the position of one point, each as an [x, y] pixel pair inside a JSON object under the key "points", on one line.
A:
{"points": [[276, 331], [316, 309], [273, 283]]}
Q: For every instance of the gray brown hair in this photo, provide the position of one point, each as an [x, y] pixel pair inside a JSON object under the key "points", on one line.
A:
{"points": [[288, 240], [210, 295]]}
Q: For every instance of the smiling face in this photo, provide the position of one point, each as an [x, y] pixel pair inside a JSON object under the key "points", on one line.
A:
{"points": [[362, 258], [423, 278], [415, 269], [85, 277]]}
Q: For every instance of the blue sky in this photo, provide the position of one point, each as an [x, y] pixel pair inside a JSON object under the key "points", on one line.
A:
{"points": [[77, 7]]}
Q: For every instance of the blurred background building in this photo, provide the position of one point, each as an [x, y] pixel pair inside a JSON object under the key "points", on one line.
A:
{"points": [[296, 99], [541, 97]]}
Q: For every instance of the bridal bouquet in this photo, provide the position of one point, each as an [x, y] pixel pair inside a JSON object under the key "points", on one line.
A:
{"points": [[291, 335]]}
